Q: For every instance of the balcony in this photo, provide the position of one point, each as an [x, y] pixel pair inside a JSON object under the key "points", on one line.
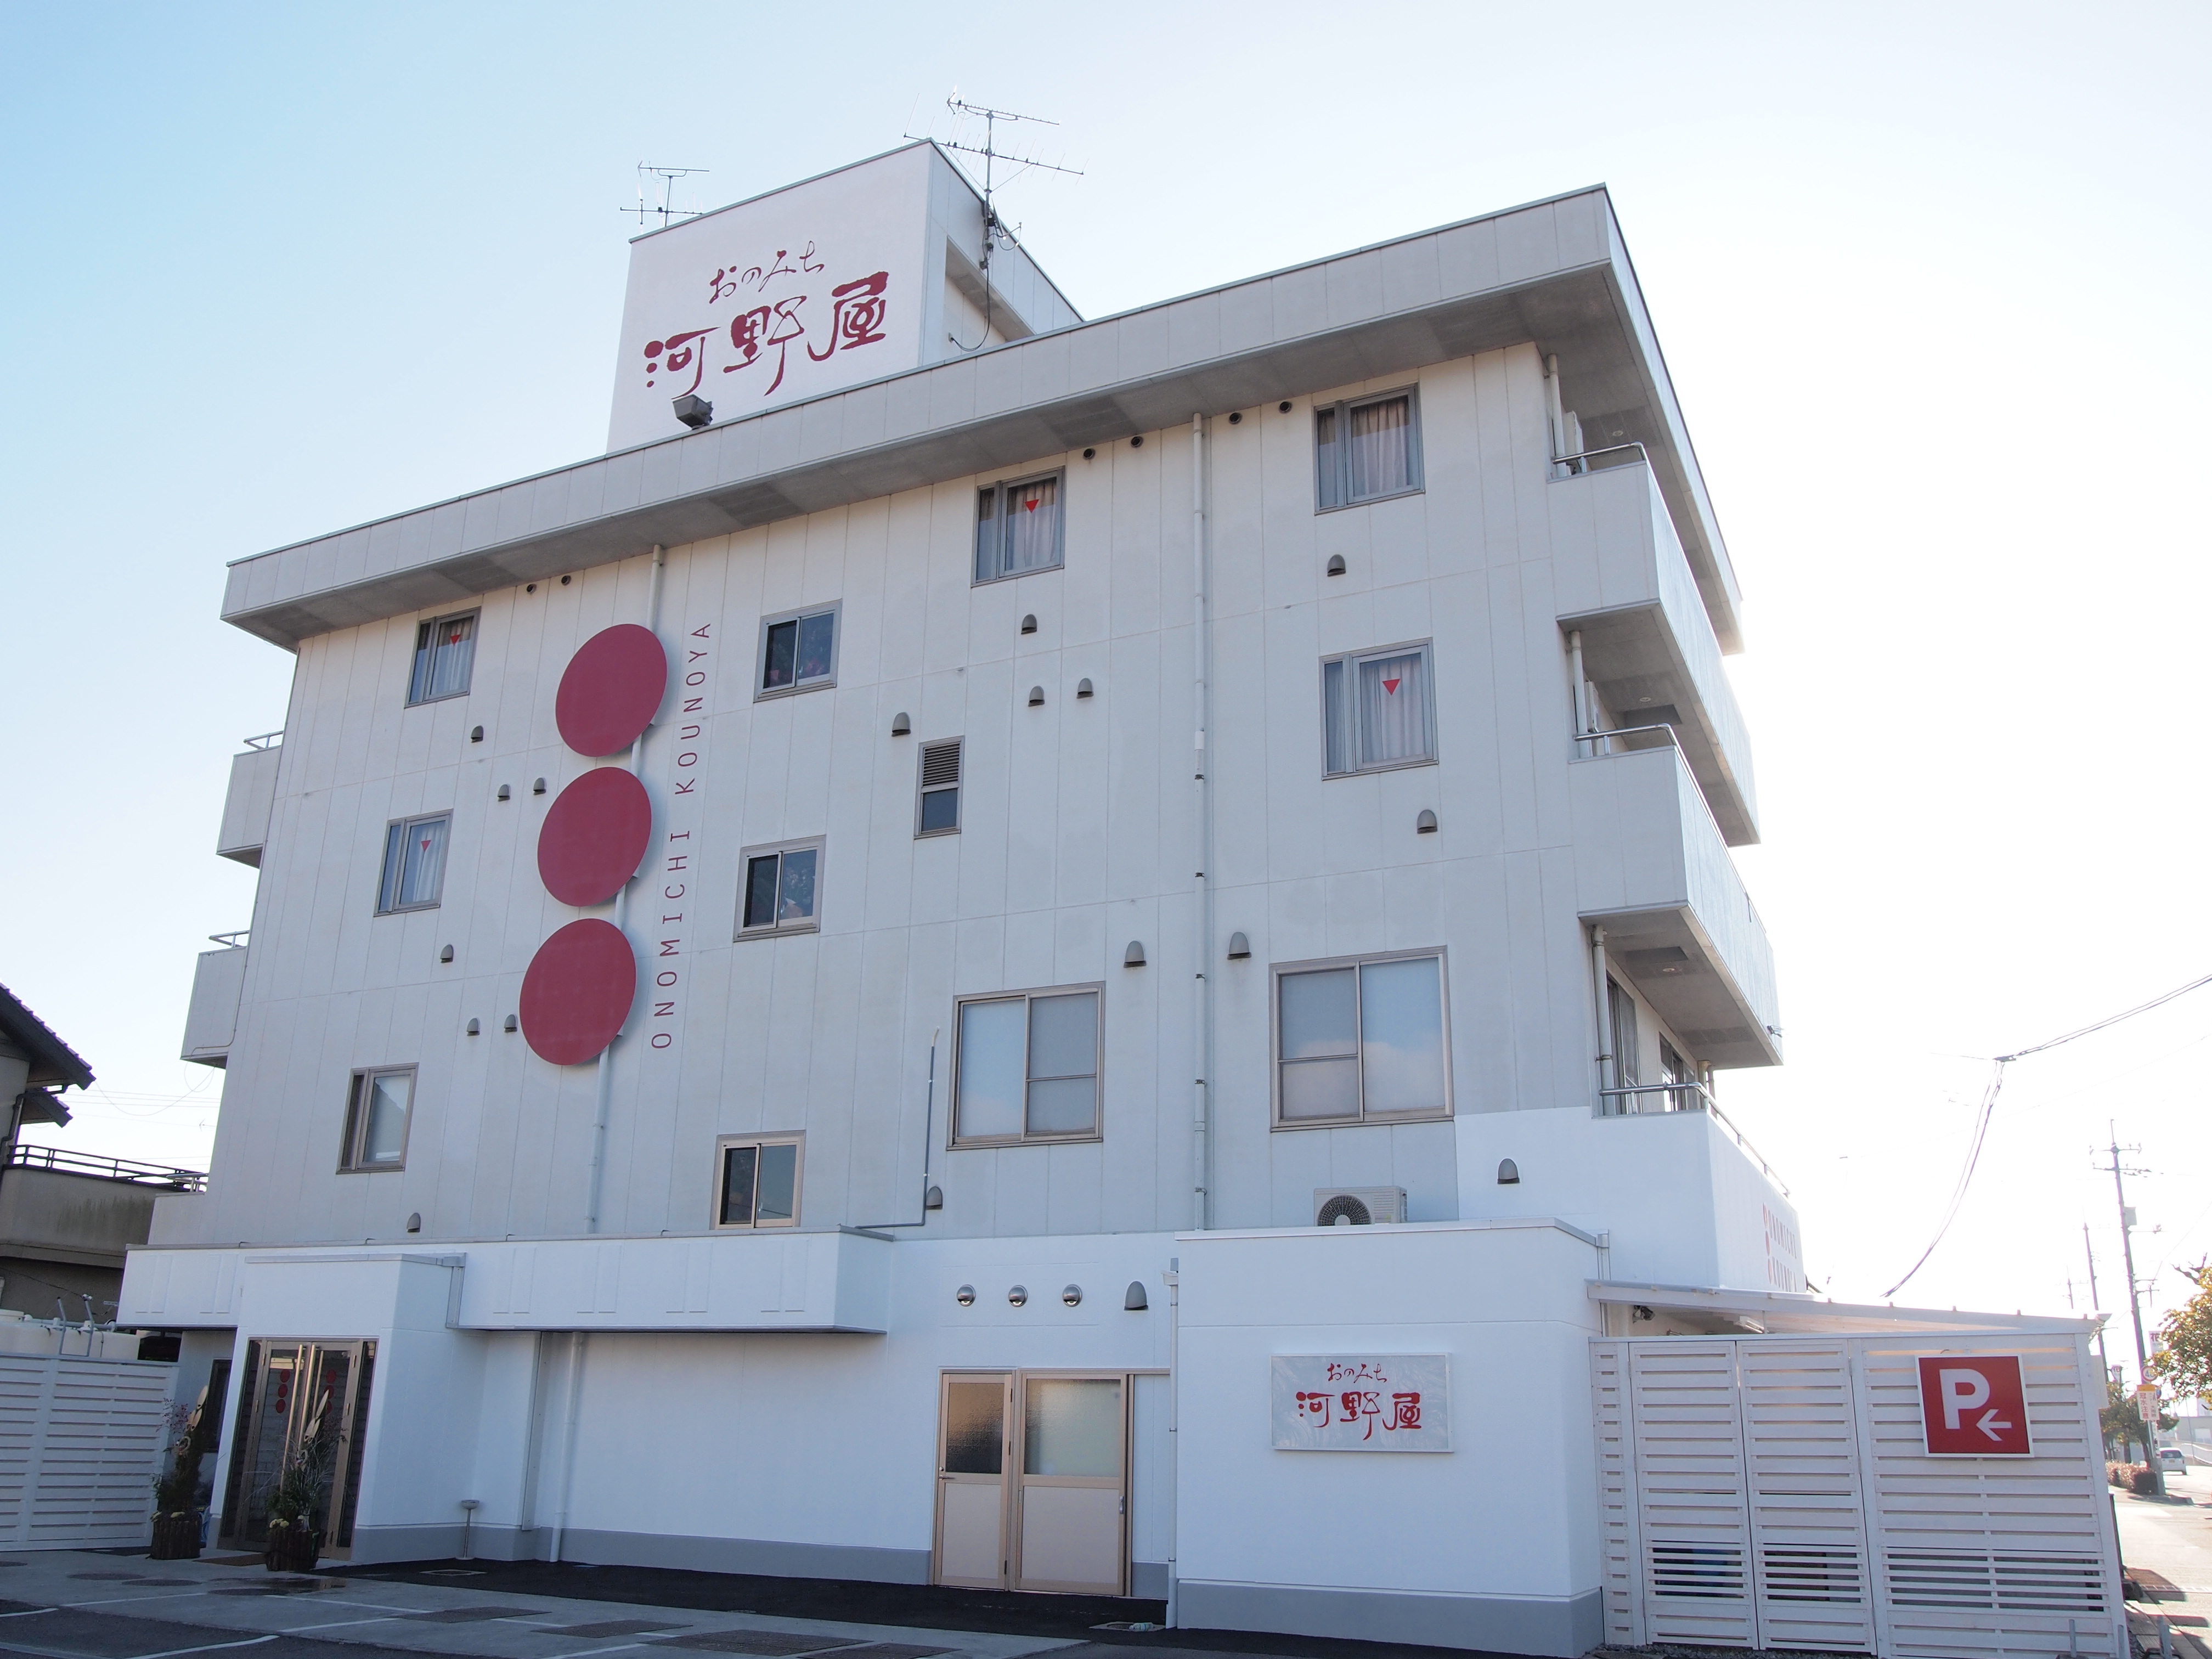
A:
{"points": [[1622, 582], [251, 796], [1652, 869], [217, 984]]}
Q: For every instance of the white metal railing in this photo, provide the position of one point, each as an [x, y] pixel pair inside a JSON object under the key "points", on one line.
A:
{"points": [[63, 1162], [232, 941], [1626, 1102], [1575, 466], [266, 739]]}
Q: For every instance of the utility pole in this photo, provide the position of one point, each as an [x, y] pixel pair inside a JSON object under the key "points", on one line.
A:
{"points": [[2096, 1303], [2134, 1301]]}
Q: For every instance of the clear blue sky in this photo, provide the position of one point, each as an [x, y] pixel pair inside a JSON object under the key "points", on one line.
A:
{"points": [[1929, 280]]}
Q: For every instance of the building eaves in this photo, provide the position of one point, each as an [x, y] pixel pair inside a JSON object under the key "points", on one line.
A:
{"points": [[51, 1059], [1553, 273]]}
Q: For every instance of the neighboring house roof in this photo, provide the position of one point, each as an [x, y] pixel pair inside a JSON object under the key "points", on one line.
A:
{"points": [[51, 1059]]}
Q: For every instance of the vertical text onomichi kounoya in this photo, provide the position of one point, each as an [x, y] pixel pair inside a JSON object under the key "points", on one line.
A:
{"points": [[677, 870]]}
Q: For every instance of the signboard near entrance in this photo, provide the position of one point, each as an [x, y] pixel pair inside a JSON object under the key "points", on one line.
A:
{"points": [[1361, 1402], [1973, 1406]]}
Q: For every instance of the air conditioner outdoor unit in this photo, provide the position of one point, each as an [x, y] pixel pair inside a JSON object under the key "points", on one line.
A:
{"points": [[1357, 1206]]}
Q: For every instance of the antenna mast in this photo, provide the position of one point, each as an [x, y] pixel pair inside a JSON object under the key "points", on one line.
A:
{"points": [[995, 231], [667, 210]]}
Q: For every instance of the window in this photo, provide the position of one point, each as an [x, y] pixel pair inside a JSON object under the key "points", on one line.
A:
{"points": [[1673, 1068], [414, 864], [1018, 528], [1365, 451], [445, 653], [937, 807], [756, 1181], [1620, 1014], [377, 1109], [798, 653], [1027, 1067], [1377, 710], [779, 889], [1360, 1040]]}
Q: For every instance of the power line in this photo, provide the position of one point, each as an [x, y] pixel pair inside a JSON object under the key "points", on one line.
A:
{"points": [[1989, 1104]]}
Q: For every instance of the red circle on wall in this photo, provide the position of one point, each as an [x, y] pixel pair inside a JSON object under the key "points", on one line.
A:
{"points": [[578, 992], [594, 838], [611, 689]]}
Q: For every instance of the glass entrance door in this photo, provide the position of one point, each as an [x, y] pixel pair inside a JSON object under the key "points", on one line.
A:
{"points": [[300, 1411], [974, 1449]]}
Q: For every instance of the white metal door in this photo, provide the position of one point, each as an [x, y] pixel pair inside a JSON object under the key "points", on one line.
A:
{"points": [[975, 1445], [1810, 1578], [1693, 1517]]}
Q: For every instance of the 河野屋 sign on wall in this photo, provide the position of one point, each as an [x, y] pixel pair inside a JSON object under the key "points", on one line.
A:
{"points": [[792, 295], [1361, 1402]]}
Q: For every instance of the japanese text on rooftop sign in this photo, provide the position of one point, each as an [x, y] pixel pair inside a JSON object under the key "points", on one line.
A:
{"points": [[1973, 1406], [1362, 1402]]}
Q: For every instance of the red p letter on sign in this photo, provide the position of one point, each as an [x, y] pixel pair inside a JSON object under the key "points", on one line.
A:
{"points": [[1973, 1406]]}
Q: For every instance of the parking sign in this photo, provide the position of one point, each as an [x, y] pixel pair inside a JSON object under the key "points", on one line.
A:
{"points": [[1973, 1406]]}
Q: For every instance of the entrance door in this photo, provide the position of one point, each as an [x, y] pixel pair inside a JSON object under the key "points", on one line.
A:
{"points": [[300, 1410], [975, 1450], [1072, 1504]]}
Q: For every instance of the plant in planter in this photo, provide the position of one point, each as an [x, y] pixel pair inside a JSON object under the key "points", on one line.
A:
{"points": [[176, 1494], [303, 1482]]}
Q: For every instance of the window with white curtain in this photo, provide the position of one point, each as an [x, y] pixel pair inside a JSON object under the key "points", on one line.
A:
{"points": [[1377, 710], [414, 863], [1018, 527], [1360, 1039], [445, 656], [1026, 1067], [378, 1105], [1367, 449]]}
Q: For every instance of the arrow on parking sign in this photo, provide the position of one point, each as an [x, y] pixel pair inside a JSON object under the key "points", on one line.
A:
{"points": [[1991, 1423]]}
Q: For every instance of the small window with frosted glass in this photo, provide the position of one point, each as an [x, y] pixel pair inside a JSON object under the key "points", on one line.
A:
{"points": [[1367, 450], [1361, 1040], [756, 1181], [798, 653], [378, 1105], [1378, 710], [1026, 1067], [778, 889], [1019, 527]]}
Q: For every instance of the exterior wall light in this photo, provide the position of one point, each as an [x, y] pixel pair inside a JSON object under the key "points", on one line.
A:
{"points": [[1018, 1295], [1508, 1173], [1134, 956], [965, 1296], [694, 410], [1132, 1300], [1071, 1295], [901, 725], [1239, 947]]}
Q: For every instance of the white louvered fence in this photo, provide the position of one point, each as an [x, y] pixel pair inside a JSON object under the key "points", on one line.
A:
{"points": [[81, 1441], [1774, 1491]]}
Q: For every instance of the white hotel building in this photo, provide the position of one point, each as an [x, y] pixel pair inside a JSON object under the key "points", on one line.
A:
{"points": [[1122, 799]]}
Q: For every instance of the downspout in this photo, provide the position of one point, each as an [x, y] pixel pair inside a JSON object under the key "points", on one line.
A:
{"points": [[604, 1096], [1604, 1013], [1559, 417], [1200, 922], [1174, 1277], [568, 1438], [1582, 705]]}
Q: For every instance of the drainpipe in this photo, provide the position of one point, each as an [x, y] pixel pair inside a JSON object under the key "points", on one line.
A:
{"points": [[568, 1438], [1174, 1277], [1604, 1016], [604, 1096], [1582, 704], [1201, 929], [1558, 410]]}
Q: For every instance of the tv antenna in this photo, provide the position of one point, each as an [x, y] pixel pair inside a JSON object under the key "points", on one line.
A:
{"points": [[996, 233], [667, 210]]}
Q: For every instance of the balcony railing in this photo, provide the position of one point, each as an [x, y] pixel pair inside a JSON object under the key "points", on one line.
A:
{"points": [[107, 1168], [1688, 1096]]}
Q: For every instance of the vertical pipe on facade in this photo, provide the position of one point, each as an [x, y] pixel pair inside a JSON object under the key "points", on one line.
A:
{"points": [[1559, 416], [569, 1437], [1200, 925], [1582, 707], [605, 1094], [1604, 1012]]}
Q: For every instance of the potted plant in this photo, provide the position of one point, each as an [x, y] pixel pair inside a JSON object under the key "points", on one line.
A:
{"points": [[296, 1501], [176, 1494]]}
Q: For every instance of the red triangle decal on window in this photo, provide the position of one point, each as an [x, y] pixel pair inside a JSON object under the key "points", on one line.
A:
{"points": [[1391, 686], [1031, 504]]}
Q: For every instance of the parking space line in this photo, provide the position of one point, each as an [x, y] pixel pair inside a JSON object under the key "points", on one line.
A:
{"points": [[339, 1624], [581, 1652]]}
